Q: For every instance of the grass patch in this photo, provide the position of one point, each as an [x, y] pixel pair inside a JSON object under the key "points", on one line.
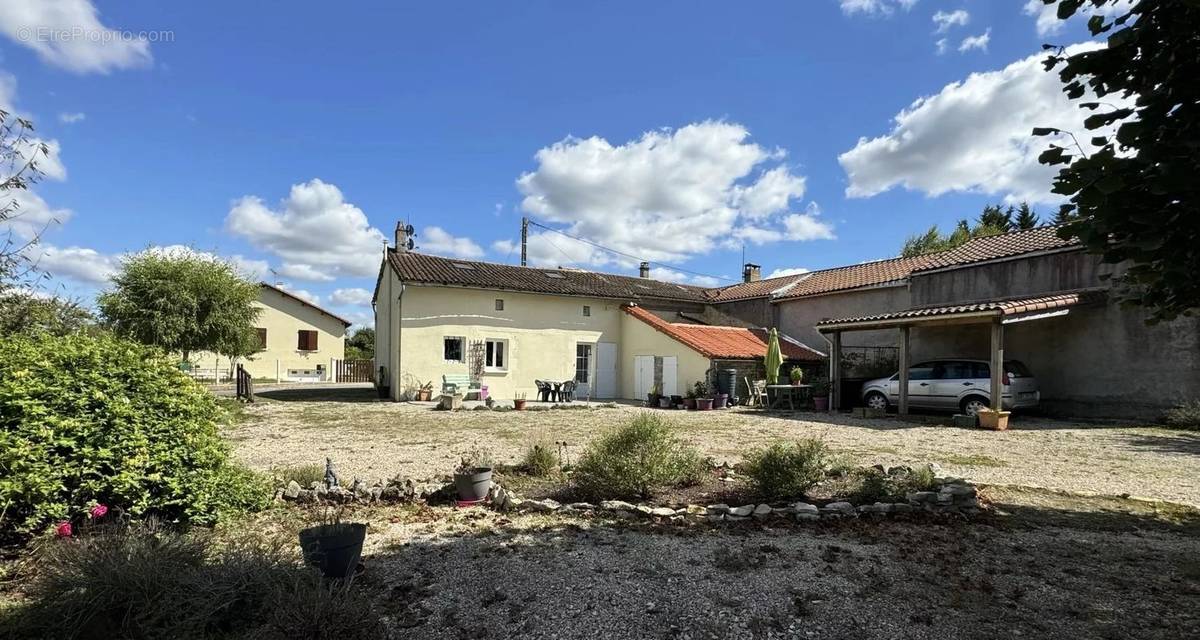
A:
{"points": [[972, 460], [541, 460], [303, 474]]}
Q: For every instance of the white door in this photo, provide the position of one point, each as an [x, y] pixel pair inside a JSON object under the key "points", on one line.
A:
{"points": [[606, 370], [669, 380], [643, 375]]}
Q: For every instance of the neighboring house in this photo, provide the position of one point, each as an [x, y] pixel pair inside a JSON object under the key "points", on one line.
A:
{"points": [[298, 340], [1091, 357], [507, 326]]}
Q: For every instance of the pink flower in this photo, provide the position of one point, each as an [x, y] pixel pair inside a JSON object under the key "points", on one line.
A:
{"points": [[63, 530], [98, 511]]}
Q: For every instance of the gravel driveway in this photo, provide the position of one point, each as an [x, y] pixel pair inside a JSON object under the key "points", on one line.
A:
{"points": [[375, 440]]}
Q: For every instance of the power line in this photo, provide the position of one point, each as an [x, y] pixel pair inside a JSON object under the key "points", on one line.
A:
{"points": [[621, 253]]}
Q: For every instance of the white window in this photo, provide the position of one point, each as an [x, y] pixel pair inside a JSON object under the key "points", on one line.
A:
{"points": [[496, 355], [453, 349], [583, 362]]}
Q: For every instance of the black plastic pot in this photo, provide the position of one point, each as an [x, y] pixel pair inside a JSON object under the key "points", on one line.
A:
{"points": [[473, 486], [334, 548]]}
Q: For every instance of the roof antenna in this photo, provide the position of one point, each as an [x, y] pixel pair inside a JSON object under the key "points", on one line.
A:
{"points": [[275, 277]]}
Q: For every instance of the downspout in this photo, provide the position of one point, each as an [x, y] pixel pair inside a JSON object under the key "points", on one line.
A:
{"points": [[397, 333]]}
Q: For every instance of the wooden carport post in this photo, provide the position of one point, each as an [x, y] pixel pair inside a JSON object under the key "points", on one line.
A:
{"points": [[904, 359], [835, 371], [997, 365]]}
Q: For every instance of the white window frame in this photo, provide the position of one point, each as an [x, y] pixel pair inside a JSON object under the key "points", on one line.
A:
{"points": [[505, 355], [591, 362], [462, 348]]}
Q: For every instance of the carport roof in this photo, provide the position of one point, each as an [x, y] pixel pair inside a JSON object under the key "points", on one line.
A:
{"points": [[1008, 309]]}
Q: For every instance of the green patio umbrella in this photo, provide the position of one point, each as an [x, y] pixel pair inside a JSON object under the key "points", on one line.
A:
{"points": [[774, 357]]}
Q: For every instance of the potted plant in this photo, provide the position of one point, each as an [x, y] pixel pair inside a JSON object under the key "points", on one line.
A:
{"points": [[664, 402], [381, 383], [653, 396], [821, 396], [519, 402], [473, 476], [689, 400], [333, 546], [704, 402], [994, 420], [425, 392], [797, 376]]}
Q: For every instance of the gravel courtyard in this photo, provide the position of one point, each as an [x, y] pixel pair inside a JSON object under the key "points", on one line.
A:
{"points": [[376, 440]]}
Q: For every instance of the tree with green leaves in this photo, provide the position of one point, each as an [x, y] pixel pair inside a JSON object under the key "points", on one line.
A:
{"points": [[28, 312], [361, 345], [934, 241], [1026, 218], [1135, 200], [182, 302], [994, 217]]}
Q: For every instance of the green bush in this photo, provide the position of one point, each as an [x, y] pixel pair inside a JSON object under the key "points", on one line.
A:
{"points": [[87, 419], [872, 485], [787, 469], [636, 460], [303, 474], [145, 584], [1185, 415], [540, 460]]}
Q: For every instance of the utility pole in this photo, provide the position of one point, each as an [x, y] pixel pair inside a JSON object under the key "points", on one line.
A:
{"points": [[524, 238]]}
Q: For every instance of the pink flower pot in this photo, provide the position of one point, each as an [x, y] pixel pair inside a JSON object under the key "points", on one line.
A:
{"points": [[704, 404]]}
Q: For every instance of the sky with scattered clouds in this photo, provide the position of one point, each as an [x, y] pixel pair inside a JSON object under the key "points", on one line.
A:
{"points": [[290, 141]]}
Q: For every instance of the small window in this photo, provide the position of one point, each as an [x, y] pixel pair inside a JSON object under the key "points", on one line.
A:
{"points": [[499, 304], [452, 349], [262, 338], [306, 340], [587, 311], [496, 355], [464, 266], [583, 362]]}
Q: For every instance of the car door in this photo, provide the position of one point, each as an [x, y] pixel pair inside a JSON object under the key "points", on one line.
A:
{"points": [[919, 385], [952, 378]]}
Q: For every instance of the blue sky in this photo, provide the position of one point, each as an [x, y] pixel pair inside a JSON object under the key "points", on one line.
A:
{"points": [[292, 136]]}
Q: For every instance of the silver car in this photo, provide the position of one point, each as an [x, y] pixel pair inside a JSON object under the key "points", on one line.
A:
{"points": [[955, 384]]}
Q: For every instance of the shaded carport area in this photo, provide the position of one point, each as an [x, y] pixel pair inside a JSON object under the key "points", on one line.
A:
{"points": [[994, 315]]}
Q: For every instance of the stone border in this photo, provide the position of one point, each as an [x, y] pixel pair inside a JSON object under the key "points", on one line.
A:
{"points": [[951, 496]]}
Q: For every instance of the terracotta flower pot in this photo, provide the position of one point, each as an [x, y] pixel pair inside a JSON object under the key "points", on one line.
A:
{"points": [[994, 420], [704, 404], [519, 404], [689, 404]]}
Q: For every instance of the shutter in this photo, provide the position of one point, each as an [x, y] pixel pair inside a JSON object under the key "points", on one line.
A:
{"points": [[306, 340], [262, 339], [312, 340], [301, 340]]}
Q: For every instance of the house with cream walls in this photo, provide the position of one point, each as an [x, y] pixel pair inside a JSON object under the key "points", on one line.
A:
{"points": [[505, 327], [298, 341]]}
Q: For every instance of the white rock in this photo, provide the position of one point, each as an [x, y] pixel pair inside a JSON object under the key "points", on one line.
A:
{"points": [[616, 505], [717, 509], [742, 511], [804, 507], [762, 511], [292, 491], [663, 512]]}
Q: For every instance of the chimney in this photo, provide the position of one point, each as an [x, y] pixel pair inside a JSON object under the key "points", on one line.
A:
{"points": [[644, 270], [751, 272], [404, 234]]}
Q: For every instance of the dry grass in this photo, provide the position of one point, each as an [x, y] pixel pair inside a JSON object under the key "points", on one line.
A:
{"points": [[373, 440]]}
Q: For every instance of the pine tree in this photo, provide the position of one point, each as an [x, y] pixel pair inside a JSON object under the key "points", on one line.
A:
{"points": [[1027, 218], [993, 217]]}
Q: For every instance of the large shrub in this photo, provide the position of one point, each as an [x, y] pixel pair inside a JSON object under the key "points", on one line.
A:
{"points": [[88, 419], [1185, 415], [636, 460], [145, 584], [787, 469]]}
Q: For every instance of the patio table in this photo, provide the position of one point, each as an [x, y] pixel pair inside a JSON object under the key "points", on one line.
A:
{"points": [[792, 394]]}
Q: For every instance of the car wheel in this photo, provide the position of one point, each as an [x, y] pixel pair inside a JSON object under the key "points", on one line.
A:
{"points": [[971, 405], [876, 400]]}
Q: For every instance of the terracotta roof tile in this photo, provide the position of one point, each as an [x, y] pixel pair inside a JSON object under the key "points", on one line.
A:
{"points": [[724, 342], [423, 268], [1001, 308]]}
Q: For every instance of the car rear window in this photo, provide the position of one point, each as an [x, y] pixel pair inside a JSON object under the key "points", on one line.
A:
{"points": [[1017, 368]]}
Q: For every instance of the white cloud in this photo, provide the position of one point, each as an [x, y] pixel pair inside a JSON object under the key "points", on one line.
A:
{"points": [[303, 294], [666, 196], [972, 136], [791, 271], [314, 230], [875, 7], [1046, 15], [80, 264], [946, 20], [303, 272], [942, 44], [437, 241], [69, 34], [351, 296], [72, 118], [805, 226], [976, 42]]}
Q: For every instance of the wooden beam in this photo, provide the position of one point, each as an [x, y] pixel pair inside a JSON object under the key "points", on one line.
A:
{"points": [[997, 365], [835, 371], [904, 365]]}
